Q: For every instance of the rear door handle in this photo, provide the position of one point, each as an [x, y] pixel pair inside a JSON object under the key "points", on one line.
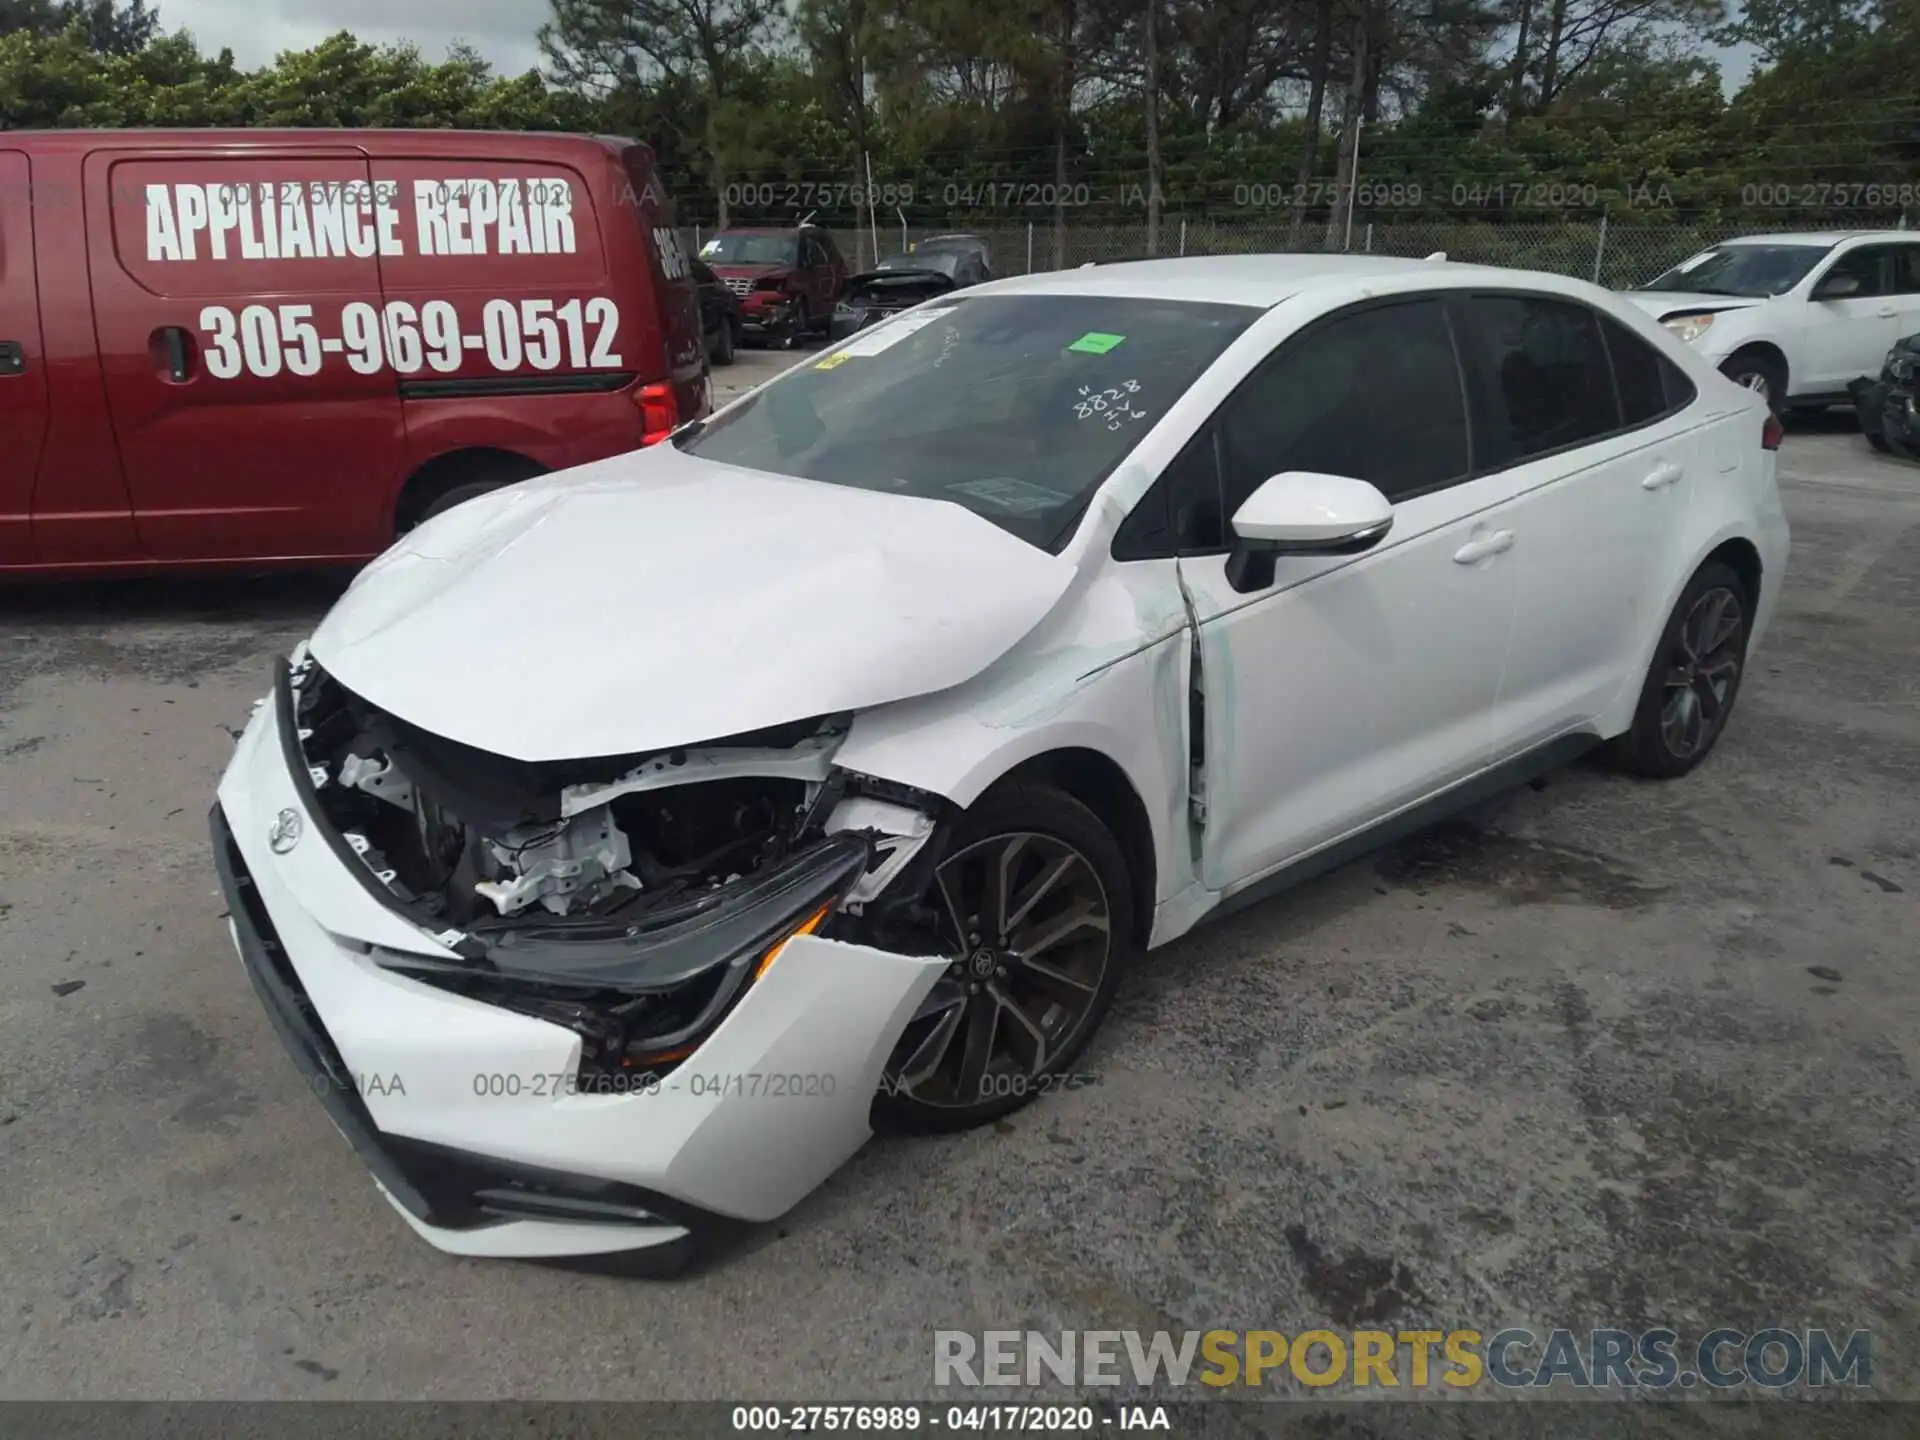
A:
{"points": [[1662, 477], [1487, 545], [1887, 312], [13, 358]]}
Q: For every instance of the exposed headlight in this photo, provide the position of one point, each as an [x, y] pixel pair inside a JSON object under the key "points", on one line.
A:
{"points": [[841, 307], [1688, 327]]}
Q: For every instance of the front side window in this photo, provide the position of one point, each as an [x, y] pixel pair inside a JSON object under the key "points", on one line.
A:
{"points": [[1548, 376], [1751, 271], [1374, 395], [1867, 265], [1016, 407]]}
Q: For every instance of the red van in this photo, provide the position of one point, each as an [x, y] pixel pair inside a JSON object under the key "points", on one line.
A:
{"points": [[286, 347]]}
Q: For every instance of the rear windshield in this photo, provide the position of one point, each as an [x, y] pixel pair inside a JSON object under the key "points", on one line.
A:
{"points": [[751, 250], [1014, 406], [944, 262]]}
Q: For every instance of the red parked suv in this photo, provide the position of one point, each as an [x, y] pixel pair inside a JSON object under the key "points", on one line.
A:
{"points": [[787, 280], [285, 347]]}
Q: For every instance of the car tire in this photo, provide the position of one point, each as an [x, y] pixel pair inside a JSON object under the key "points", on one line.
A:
{"points": [[1694, 680], [725, 344], [1002, 1025], [472, 482], [1761, 374]]}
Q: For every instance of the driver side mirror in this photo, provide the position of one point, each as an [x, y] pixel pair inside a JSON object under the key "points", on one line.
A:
{"points": [[1303, 513], [1837, 287]]}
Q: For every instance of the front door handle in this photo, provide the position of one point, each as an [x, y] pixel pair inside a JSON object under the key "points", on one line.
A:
{"points": [[174, 352], [13, 358], [1476, 550], [1662, 477], [1887, 312]]}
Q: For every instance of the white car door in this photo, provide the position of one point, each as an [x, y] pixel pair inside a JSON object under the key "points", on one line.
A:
{"points": [[1350, 686], [1587, 428], [1845, 337]]}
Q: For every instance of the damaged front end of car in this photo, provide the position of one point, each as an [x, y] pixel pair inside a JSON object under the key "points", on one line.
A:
{"points": [[632, 899]]}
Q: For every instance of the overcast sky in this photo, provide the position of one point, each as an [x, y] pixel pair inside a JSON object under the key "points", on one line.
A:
{"points": [[501, 30], [258, 30]]}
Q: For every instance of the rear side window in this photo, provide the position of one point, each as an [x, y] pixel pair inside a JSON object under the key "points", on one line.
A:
{"points": [[1906, 270], [1375, 395], [1650, 384], [1548, 379]]}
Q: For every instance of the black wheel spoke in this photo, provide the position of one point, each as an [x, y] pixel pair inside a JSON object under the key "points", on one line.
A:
{"points": [[1023, 1024], [998, 889], [1710, 707], [982, 1024], [1038, 891], [1058, 983], [1084, 915], [925, 1057]]}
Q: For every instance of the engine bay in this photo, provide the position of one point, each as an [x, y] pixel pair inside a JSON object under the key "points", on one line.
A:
{"points": [[464, 838]]}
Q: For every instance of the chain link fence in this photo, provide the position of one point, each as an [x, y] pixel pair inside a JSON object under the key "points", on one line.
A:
{"points": [[1617, 254]]}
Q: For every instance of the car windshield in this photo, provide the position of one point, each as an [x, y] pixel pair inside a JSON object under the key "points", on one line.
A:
{"points": [[947, 262], [751, 250], [1014, 406], [1754, 271]]}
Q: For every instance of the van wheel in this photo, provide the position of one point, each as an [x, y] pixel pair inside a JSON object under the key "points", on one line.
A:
{"points": [[724, 344], [468, 480]]}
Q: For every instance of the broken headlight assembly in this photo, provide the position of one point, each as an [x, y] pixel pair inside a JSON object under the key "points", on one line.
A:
{"points": [[634, 899]]}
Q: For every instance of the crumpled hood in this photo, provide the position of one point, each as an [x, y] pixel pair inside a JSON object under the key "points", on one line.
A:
{"points": [[657, 600], [1660, 303]]}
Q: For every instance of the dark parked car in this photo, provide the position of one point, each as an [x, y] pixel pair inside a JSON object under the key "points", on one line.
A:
{"points": [[964, 244], [1889, 408], [787, 280], [902, 281], [720, 317]]}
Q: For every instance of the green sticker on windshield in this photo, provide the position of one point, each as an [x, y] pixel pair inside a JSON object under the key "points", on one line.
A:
{"points": [[1096, 342]]}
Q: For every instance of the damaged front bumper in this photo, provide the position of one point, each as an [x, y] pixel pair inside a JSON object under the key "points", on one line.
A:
{"points": [[493, 1130]]}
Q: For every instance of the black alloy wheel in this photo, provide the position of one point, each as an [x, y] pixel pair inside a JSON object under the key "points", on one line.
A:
{"points": [[1690, 689], [1037, 917]]}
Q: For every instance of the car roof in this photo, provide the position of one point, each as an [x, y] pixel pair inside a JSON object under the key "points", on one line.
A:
{"points": [[1821, 237], [1258, 280]]}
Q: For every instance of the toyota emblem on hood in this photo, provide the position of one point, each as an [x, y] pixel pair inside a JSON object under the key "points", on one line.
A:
{"points": [[285, 833]]}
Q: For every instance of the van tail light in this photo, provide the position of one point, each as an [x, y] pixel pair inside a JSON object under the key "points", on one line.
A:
{"points": [[659, 413], [1772, 433]]}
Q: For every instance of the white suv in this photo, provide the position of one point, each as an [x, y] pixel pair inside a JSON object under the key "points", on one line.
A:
{"points": [[1795, 317]]}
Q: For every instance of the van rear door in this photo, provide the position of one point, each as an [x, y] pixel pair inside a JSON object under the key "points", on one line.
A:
{"points": [[671, 279], [247, 360], [23, 370]]}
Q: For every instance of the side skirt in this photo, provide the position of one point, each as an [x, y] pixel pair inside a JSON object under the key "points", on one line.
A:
{"points": [[1496, 780]]}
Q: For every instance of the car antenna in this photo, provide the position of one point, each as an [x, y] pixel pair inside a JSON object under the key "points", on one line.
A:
{"points": [[1438, 255]]}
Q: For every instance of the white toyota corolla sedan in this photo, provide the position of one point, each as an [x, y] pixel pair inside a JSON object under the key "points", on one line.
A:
{"points": [[628, 843]]}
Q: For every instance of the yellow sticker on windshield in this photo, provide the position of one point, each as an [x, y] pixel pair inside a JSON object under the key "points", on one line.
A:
{"points": [[833, 360]]}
